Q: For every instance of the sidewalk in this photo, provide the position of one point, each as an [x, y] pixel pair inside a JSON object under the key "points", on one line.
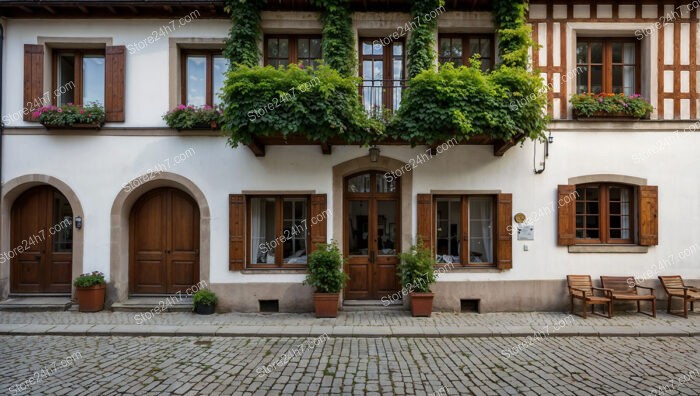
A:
{"points": [[347, 324]]}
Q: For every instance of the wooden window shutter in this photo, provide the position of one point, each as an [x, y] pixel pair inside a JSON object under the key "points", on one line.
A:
{"points": [[114, 83], [237, 231], [33, 78], [424, 215], [566, 215], [648, 215], [504, 228], [318, 226]]}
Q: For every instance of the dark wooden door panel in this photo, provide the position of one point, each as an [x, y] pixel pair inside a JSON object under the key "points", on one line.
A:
{"points": [[165, 243], [36, 268]]}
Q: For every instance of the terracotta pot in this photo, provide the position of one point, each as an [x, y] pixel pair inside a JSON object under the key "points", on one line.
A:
{"points": [[202, 309], [421, 304], [326, 304], [91, 299]]}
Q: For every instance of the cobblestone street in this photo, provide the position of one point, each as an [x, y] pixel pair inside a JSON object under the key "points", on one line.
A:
{"points": [[428, 366]]}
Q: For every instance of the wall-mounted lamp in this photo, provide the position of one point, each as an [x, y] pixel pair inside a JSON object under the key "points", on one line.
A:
{"points": [[550, 138], [78, 222], [374, 153]]}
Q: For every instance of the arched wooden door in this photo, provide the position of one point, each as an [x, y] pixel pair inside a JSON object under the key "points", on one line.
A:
{"points": [[164, 243], [41, 259], [371, 235]]}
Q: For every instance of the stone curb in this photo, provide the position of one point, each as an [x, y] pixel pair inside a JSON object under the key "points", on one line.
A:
{"points": [[333, 331]]}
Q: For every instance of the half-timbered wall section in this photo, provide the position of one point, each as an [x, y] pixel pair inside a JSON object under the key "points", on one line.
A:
{"points": [[666, 33]]}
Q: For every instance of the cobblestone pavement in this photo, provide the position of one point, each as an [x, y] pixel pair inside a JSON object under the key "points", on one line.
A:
{"points": [[359, 318], [437, 366]]}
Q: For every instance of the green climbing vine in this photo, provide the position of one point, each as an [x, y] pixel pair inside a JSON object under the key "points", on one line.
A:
{"points": [[242, 44], [419, 50], [338, 42]]}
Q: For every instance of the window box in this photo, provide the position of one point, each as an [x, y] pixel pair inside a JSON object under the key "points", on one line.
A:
{"points": [[610, 106], [193, 118], [71, 116]]}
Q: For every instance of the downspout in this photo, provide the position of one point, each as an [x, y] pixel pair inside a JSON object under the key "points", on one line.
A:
{"points": [[2, 93]]}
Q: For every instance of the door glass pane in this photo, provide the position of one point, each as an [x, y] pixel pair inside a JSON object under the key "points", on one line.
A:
{"points": [[219, 75], [386, 184], [62, 224], [66, 79], [359, 184], [358, 228], [196, 80], [386, 228], [294, 230], [448, 215], [93, 79], [262, 231], [480, 230]]}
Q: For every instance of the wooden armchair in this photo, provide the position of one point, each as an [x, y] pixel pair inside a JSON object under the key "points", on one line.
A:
{"points": [[581, 288], [675, 287], [625, 288]]}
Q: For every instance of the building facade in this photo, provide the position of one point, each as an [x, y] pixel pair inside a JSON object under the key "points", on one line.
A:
{"points": [[157, 209]]}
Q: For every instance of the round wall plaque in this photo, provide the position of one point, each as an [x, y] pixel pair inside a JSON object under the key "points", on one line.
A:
{"points": [[520, 217]]}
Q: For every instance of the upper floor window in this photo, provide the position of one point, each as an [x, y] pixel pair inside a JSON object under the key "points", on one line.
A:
{"points": [[79, 76], [203, 74], [459, 48], [382, 68], [607, 66], [605, 213], [285, 50]]}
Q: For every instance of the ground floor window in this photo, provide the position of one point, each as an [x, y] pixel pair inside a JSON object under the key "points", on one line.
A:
{"points": [[604, 213], [278, 230], [464, 229]]}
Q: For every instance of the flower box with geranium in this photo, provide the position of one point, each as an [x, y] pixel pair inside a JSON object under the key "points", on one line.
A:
{"points": [[71, 116], [90, 291], [193, 117], [597, 106]]}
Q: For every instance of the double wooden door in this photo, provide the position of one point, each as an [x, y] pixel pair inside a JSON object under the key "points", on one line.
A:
{"points": [[164, 243], [41, 255], [372, 235]]}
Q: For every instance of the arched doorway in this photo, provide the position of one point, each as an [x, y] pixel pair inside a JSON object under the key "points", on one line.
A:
{"points": [[163, 242], [371, 235], [41, 258]]}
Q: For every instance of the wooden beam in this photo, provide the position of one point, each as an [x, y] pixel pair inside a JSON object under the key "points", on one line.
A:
{"points": [[111, 9], [326, 148], [49, 9], [83, 9], [257, 148], [500, 146], [26, 9]]}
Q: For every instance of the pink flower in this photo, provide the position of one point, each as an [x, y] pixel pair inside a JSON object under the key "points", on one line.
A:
{"points": [[181, 107], [60, 110], [600, 100], [36, 114], [82, 111]]}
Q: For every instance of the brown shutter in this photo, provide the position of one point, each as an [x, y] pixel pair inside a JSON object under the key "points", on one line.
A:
{"points": [[504, 227], [237, 231], [33, 79], [566, 234], [424, 215], [114, 83], [318, 226], [648, 215]]}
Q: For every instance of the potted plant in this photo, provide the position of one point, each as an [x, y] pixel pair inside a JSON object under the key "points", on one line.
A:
{"points": [[327, 277], [204, 302], [90, 291], [71, 116], [615, 106], [417, 272], [193, 117]]}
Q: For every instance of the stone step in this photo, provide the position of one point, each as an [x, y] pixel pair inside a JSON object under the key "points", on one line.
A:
{"points": [[372, 305], [36, 303], [145, 304]]}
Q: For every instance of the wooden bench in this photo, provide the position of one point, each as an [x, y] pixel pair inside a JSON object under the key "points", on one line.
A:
{"points": [[625, 288], [675, 287], [581, 288]]}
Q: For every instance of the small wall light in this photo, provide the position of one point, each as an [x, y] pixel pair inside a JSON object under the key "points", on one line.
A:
{"points": [[78, 222], [550, 139], [374, 153]]}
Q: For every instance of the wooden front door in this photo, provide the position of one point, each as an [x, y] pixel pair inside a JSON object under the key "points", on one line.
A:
{"points": [[41, 242], [371, 236], [164, 243]]}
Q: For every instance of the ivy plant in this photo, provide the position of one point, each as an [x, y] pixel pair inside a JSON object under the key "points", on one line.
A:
{"points": [[423, 26], [338, 44], [242, 43]]}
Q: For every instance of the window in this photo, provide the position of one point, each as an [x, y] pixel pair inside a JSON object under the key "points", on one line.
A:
{"points": [[285, 50], [605, 214], [203, 74], [382, 68], [79, 77], [277, 226], [467, 219], [607, 66], [460, 48]]}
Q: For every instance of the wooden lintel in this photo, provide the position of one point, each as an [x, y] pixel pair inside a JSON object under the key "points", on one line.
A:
{"points": [[257, 148], [168, 8], [111, 9], [83, 9], [49, 9], [26, 9], [326, 148]]}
